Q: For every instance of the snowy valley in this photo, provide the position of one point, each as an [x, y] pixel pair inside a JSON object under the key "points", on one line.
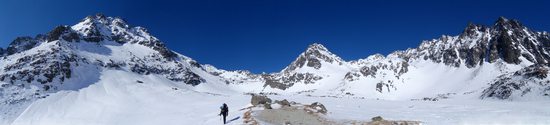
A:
{"points": [[104, 71]]}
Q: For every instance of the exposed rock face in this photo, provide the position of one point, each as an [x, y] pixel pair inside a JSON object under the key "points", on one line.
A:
{"points": [[507, 40], [369, 71], [530, 80], [275, 82], [21, 44], [46, 67], [352, 76], [283, 81], [381, 85], [312, 57], [56, 33]]}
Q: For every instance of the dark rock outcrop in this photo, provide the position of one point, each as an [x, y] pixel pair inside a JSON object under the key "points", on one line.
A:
{"points": [[284, 103], [316, 107], [529, 80], [21, 44], [507, 40], [259, 99]]}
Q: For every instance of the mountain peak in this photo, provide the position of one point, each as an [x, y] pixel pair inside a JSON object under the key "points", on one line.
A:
{"points": [[102, 19], [317, 50], [502, 19], [100, 25], [98, 16], [313, 56], [316, 46], [503, 23], [472, 30], [98, 28]]}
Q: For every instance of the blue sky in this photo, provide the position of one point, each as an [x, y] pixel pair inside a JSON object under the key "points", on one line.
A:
{"points": [[265, 36]]}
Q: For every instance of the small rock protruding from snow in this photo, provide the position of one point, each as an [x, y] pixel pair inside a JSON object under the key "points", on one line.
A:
{"points": [[283, 103], [316, 107]]}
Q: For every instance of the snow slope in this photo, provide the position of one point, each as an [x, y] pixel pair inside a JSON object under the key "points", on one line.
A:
{"points": [[446, 112], [118, 99]]}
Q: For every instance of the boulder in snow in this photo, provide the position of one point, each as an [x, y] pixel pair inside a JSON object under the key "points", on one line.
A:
{"points": [[259, 99]]}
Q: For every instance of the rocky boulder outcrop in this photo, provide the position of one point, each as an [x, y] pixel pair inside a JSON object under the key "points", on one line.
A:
{"points": [[316, 107], [259, 99], [283, 103]]}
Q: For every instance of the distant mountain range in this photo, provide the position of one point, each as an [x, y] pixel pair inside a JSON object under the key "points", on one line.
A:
{"points": [[503, 61]]}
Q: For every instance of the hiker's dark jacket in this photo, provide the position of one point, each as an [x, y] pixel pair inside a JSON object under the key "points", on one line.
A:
{"points": [[225, 110]]}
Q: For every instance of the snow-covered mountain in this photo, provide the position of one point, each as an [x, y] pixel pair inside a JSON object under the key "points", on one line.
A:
{"points": [[462, 66], [503, 61], [73, 57]]}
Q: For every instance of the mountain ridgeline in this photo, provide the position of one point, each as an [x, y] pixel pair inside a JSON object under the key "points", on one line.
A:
{"points": [[502, 61]]}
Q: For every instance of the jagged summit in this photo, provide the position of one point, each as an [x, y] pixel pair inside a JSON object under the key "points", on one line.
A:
{"points": [[507, 24], [313, 56], [102, 19], [319, 51], [97, 41], [507, 40], [98, 29], [502, 24], [99, 24], [505, 21], [472, 30], [316, 46]]}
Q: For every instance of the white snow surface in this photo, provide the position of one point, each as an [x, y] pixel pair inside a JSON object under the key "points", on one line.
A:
{"points": [[117, 99]]}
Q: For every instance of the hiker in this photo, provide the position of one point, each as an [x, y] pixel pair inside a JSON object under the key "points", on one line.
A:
{"points": [[224, 111]]}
